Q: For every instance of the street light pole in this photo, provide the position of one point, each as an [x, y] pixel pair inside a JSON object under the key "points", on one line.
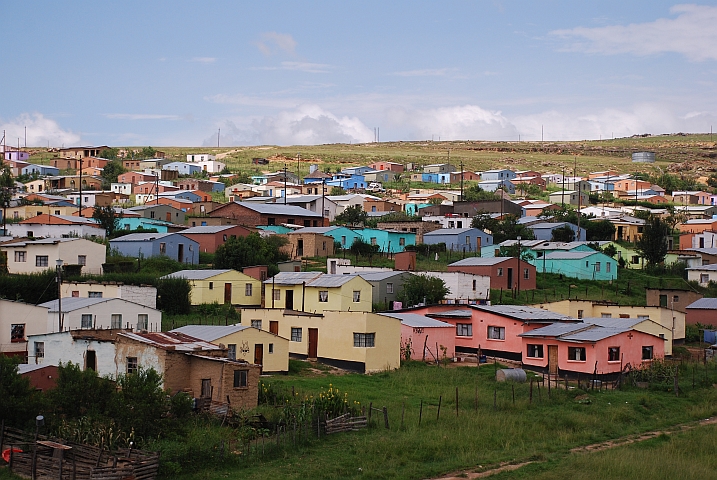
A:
{"points": [[518, 272], [59, 293]]}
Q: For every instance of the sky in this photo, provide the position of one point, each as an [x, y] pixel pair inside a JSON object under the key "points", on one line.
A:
{"points": [[176, 73]]}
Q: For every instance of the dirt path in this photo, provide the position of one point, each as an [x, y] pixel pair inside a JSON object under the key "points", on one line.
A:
{"points": [[596, 447]]}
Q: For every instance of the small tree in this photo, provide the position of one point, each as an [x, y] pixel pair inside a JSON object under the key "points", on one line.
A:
{"points": [[107, 218], [140, 404], [421, 288], [79, 393], [563, 234], [652, 245], [110, 173], [16, 394], [337, 191], [353, 215], [241, 252]]}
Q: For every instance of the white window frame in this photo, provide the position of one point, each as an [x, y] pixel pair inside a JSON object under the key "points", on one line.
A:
{"points": [[535, 350], [86, 321], [464, 329], [576, 354], [496, 333], [357, 296], [248, 290], [296, 334], [323, 296]]}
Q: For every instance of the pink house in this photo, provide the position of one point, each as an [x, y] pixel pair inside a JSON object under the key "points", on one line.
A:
{"points": [[586, 348], [392, 166], [427, 338]]}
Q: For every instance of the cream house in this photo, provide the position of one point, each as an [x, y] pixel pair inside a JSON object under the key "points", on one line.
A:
{"points": [[17, 321], [316, 292], [253, 344], [359, 341], [96, 313], [221, 286], [144, 295], [34, 256]]}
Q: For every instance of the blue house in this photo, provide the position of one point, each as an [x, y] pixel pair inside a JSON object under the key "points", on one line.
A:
{"points": [[581, 265], [544, 230], [39, 169], [429, 177], [459, 239], [182, 167], [356, 170], [389, 241], [343, 235], [494, 185], [347, 182], [497, 175], [146, 245], [183, 195], [133, 223], [413, 208]]}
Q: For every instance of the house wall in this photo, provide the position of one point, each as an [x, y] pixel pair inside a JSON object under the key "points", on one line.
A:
{"points": [[250, 217], [470, 241], [583, 268], [388, 241], [69, 251], [44, 378], [148, 249], [62, 348], [674, 299], [501, 281], [419, 228], [245, 341], [54, 231], [415, 338], [313, 245], [33, 318], [202, 292], [702, 316], [143, 295], [102, 316], [464, 286], [209, 242]]}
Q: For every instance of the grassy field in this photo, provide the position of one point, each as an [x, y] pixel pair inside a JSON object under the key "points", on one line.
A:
{"points": [[478, 435]]}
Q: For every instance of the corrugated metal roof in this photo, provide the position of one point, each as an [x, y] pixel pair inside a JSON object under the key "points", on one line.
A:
{"points": [[42, 241], [208, 229], [326, 280], [614, 322], [209, 333], [279, 209], [457, 313], [524, 313], [31, 367], [709, 251], [141, 237], [480, 261], [378, 276], [556, 330], [568, 255], [449, 231], [595, 334], [292, 278], [196, 274], [177, 341], [704, 304], [417, 321], [709, 268], [321, 230], [70, 304]]}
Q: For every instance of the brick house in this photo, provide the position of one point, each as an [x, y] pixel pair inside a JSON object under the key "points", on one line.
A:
{"points": [[674, 299], [419, 228], [309, 244], [501, 270], [702, 311], [135, 178], [209, 238], [269, 214]]}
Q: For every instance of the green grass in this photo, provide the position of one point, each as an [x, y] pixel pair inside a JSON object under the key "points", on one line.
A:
{"points": [[545, 429]]}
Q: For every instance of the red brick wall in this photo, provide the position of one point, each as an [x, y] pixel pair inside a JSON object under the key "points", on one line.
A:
{"points": [[498, 282], [250, 217]]}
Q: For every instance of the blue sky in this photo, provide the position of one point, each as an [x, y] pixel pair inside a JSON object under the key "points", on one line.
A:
{"points": [[291, 72]]}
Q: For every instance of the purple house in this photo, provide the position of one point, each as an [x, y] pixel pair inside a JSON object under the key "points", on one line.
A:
{"points": [[16, 155]]}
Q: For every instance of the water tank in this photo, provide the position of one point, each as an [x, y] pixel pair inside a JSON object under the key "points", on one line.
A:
{"points": [[510, 375], [643, 157]]}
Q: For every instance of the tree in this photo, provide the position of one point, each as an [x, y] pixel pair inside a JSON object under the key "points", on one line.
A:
{"points": [[107, 218], [146, 152], [80, 393], [361, 248], [110, 153], [420, 288], [598, 230], [563, 234], [17, 397], [484, 221], [241, 252], [474, 193], [337, 191], [140, 404], [610, 250], [353, 215], [110, 173], [652, 245]]}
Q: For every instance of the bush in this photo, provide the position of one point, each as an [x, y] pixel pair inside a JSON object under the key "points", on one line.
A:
{"points": [[33, 288], [173, 296], [425, 250]]}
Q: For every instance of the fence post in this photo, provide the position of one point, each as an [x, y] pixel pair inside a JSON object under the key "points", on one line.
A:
{"points": [[456, 402], [438, 415], [370, 407], [531, 390], [385, 417], [403, 413], [420, 413], [512, 386]]}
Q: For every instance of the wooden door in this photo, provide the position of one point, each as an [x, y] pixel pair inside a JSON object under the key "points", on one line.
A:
{"points": [[180, 253], [313, 342], [289, 300], [553, 359], [510, 278], [274, 327], [91, 360], [207, 388], [227, 293], [168, 216], [259, 354]]}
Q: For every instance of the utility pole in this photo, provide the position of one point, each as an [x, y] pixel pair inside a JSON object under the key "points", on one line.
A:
{"points": [[80, 213], [580, 192], [462, 199], [284, 184], [59, 294], [323, 196], [562, 195], [298, 165], [25, 136], [218, 134]]}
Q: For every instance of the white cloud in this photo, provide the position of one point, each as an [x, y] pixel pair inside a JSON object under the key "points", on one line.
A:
{"points": [[468, 122], [692, 33], [299, 66], [206, 60], [305, 125], [271, 43], [40, 131], [141, 116]]}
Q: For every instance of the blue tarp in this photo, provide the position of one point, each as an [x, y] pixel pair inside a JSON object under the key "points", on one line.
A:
{"points": [[711, 336]]}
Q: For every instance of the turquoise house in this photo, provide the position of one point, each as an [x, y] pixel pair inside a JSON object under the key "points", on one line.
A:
{"points": [[343, 235], [280, 229], [581, 265], [133, 223], [389, 241], [413, 208]]}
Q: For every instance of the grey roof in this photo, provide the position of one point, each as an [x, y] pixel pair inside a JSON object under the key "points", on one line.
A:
{"points": [[42, 241], [594, 334], [556, 330], [416, 321], [524, 313], [479, 261], [450, 231], [704, 304], [279, 209], [196, 274], [142, 237], [208, 229], [31, 367], [708, 251], [711, 267], [292, 278], [458, 313], [614, 322], [209, 333], [301, 198], [70, 304], [321, 230], [68, 218], [326, 280], [577, 332], [378, 276], [569, 255]]}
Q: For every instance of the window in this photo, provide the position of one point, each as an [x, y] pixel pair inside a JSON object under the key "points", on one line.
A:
{"points": [[496, 333], [94, 294], [232, 351], [248, 290], [364, 339], [647, 353], [142, 321], [277, 294], [30, 234], [162, 248], [468, 239], [526, 273], [17, 332], [635, 260], [86, 321], [211, 285], [580, 313], [295, 334], [323, 296], [41, 260], [389, 288], [474, 285], [225, 238], [704, 278], [613, 354], [271, 221], [576, 354], [535, 351], [271, 348], [608, 267], [21, 256], [597, 266], [373, 240], [676, 298], [256, 324], [402, 241], [39, 349], [131, 365], [116, 321], [464, 329], [240, 378], [606, 315], [357, 296], [500, 272], [343, 240]]}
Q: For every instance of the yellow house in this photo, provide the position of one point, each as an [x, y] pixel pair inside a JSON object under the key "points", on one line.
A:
{"points": [[29, 211], [243, 342], [221, 286], [316, 292], [666, 323], [359, 341], [36, 256]]}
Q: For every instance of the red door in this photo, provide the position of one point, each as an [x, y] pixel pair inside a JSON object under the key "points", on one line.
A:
{"points": [[313, 342]]}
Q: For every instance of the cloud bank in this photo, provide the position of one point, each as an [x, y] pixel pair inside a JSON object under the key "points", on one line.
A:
{"points": [[41, 131]]}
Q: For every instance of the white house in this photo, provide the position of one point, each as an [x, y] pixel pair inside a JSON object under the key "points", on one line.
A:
{"points": [[211, 166], [122, 188], [200, 157], [56, 226], [91, 313], [35, 256], [703, 274], [144, 295], [18, 320]]}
